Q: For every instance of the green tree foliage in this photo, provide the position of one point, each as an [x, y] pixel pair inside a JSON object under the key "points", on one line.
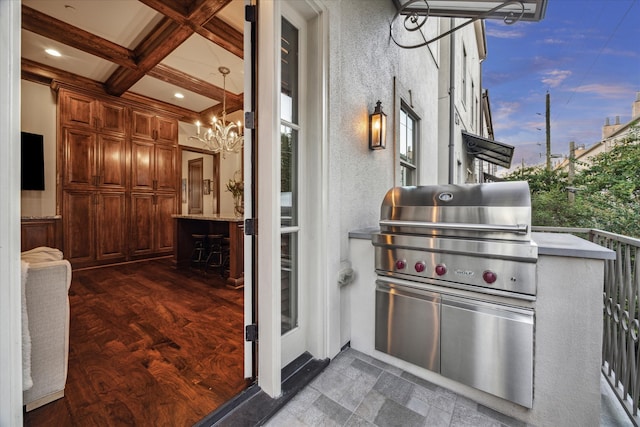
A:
{"points": [[549, 198], [607, 196]]}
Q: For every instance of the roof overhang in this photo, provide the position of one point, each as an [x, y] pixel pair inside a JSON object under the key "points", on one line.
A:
{"points": [[518, 10], [490, 151]]}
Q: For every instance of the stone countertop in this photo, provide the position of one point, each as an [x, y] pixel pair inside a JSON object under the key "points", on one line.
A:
{"points": [[568, 245], [40, 218], [210, 217], [554, 244]]}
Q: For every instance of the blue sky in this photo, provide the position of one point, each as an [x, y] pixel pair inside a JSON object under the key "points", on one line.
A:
{"points": [[585, 53]]}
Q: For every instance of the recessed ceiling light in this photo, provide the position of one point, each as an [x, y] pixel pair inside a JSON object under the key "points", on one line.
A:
{"points": [[178, 95], [52, 52]]}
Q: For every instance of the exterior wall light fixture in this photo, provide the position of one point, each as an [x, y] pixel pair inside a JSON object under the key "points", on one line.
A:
{"points": [[377, 128]]}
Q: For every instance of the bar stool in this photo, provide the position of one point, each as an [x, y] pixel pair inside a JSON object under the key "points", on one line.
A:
{"points": [[215, 257], [199, 252], [226, 257]]}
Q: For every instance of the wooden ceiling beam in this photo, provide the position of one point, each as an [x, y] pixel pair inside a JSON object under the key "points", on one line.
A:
{"points": [[178, 78], [224, 35], [162, 40], [54, 29]]}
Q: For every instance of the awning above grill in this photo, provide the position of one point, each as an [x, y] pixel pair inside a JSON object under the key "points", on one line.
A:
{"points": [[490, 151]]}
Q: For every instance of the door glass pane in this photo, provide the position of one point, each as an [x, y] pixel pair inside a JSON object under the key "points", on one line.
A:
{"points": [[288, 176], [289, 153], [289, 61], [289, 281]]}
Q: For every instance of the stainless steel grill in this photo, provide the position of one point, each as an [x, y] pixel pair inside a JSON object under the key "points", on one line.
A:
{"points": [[465, 235], [456, 279]]}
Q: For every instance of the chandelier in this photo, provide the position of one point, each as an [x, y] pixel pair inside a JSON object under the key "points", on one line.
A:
{"points": [[221, 136]]}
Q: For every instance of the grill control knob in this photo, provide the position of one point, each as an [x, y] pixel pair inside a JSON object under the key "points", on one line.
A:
{"points": [[420, 266], [441, 269], [401, 264], [489, 276]]}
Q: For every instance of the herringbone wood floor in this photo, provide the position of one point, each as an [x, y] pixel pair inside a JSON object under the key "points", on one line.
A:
{"points": [[149, 346]]}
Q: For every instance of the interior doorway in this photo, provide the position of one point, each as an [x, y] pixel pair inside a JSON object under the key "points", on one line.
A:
{"points": [[195, 186]]}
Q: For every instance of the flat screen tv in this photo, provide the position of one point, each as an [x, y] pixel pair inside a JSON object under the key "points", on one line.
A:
{"points": [[32, 171]]}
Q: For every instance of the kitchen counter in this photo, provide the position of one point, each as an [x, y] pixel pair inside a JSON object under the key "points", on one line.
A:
{"points": [[229, 226], [568, 327], [211, 217], [553, 244]]}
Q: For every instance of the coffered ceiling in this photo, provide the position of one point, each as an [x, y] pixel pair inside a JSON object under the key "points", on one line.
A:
{"points": [[147, 50]]}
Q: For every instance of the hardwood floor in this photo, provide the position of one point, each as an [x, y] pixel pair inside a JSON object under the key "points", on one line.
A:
{"points": [[149, 346]]}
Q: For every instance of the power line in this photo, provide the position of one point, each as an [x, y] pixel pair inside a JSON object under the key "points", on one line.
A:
{"points": [[602, 48]]}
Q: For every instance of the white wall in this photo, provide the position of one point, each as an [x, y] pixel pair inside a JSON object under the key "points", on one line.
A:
{"points": [[38, 115]]}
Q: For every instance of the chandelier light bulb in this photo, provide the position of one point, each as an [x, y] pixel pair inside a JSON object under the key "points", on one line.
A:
{"points": [[222, 136]]}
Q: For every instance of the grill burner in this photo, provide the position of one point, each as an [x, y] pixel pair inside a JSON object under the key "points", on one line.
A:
{"points": [[467, 235]]}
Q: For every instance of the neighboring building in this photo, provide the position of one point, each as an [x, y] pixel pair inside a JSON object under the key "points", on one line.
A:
{"points": [[346, 63], [612, 135]]}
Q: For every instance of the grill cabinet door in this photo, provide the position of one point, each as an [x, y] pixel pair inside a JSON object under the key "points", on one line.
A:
{"points": [[489, 347], [408, 324]]}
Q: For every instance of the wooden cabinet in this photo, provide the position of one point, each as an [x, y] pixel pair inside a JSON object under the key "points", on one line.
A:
{"points": [[93, 160], [84, 111], [152, 223], [153, 166], [149, 126], [43, 231], [94, 226], [119, 179]]}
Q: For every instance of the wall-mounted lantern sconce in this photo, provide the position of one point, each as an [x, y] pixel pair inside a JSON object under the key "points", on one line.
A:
{"points": [[377, 128]]}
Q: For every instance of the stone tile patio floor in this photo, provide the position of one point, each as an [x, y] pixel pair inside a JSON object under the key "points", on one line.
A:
{"points": [[357, 390]]}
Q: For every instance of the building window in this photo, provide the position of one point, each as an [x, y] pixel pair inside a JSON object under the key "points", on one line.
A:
{"points": [[464, 76], [473, 110], [408, 146]]}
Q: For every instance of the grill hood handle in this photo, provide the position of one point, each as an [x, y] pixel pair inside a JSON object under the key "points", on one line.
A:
{"points": [[517, 229]]}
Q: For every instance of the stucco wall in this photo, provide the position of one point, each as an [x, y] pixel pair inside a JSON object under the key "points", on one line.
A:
{"points": [[363, 63]]}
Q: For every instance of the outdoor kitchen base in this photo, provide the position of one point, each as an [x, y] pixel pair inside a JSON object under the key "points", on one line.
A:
{"points": [[434, 243], [567, 334]]}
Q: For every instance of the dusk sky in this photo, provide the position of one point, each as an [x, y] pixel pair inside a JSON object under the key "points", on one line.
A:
{"points": [[585, 53]]}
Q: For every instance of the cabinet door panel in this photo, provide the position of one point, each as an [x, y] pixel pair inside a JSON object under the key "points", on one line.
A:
{"points": [[78, 223], [165, 208], [142, 165], [142, 227], [110, 226], [165, 176], [77, 110], [142, 125], [79, 154], [166, 130], [112, 118], [112, 162]]}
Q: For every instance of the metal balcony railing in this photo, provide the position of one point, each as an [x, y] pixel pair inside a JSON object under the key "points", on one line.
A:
{"points": [[621, 327]]}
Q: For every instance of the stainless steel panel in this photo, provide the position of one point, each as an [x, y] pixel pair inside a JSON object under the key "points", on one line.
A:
{"points": [[407, 324], [464, 268], [497, 210], [489, 347], [521, 251]]}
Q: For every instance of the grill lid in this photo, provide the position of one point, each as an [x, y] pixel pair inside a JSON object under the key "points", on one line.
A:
{"points": [[499, 210]]}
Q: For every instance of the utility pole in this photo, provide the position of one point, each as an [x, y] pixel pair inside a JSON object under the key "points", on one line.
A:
{"points": [[548, 124], [572, 171]]}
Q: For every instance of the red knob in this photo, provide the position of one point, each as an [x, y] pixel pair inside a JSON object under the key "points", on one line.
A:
{"points": [[441, 269], [489, 276], [420, 266], [401, 264]]}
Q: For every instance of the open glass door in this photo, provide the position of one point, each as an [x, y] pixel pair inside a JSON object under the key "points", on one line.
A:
{"points": [[250, 288]]}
